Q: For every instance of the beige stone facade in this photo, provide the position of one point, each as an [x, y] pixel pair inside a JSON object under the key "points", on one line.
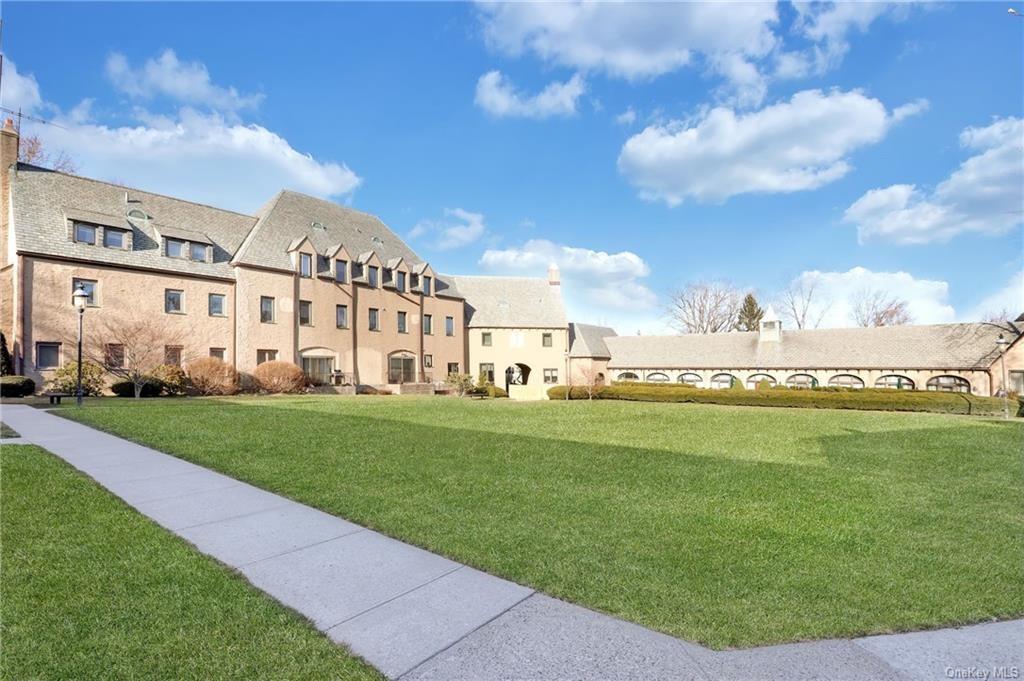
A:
{"points": [[526, 362]]}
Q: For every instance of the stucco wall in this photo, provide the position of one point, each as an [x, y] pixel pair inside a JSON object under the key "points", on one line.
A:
{"points": [[519, 346]]}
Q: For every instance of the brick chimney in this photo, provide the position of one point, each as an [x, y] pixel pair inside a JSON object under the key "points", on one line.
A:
{"points": [[8, 157], [554, 277]]}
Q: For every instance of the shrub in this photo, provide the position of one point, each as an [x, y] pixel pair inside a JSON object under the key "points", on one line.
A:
{"points": [[487, 390], [16, 386], [279, 377], [459, 383], [172, 377], [65, 379], [6, 361], [150, 388], [212, 376], [877, 399], [370, 390]]}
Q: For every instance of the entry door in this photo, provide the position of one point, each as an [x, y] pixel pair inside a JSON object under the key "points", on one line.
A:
{"points": [[401, 370], [318, 369]]}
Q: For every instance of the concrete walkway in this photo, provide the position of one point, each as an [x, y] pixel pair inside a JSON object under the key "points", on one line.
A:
{"points": [[416, 615]]}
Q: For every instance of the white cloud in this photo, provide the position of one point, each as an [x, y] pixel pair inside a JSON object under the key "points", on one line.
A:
{"points": [[20, 91], [458, 228], [828, 25], [927, 299], [1010, 298], [984, 195], [599, 287], [497, 95], [185, 82], [627, 117], [795, 145]]}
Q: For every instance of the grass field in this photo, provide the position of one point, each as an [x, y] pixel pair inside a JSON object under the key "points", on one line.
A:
{"points": [[92, 590], [732, 526]]}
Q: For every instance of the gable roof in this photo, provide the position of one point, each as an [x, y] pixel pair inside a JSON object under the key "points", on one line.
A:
{"points": [[44, 200], [936, 346], [587, 340], [510, 302], [290, 216]]}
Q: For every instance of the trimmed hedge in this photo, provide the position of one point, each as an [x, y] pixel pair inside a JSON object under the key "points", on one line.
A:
{"points": [[488, 390], [151, 388], [827, 398], [16, 386]]}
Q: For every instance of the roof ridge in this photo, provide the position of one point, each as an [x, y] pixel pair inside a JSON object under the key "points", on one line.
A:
{"points": [[251, 236], [335, 203]]}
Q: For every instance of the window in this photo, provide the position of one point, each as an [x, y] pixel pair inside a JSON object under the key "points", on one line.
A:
{"points": [[197, 252], [400, 281], [487, 371], [428, 361], [218, 353], [114, 355], [266, 356], [174, 301], [305, 265], [374, 319], [427, 283], [47, 355], [846, 381], [754, 381], [895, 382], [449, 326], [627, 376], [216, 305], [949, 384], [722, 381], [1017, 382], [341, 271], [115, 238], [172, 355], [175, 248], [89, 286], [802, 381], [374, 276], [428, 325], [323, 264], [690, 379], [266, 310], [657, 377], [453, 368], [545, 340], [318, 369], [305, 313], [85, 233], [485, 339], [551, 375], [357, 270], [402, 318], [341, 316]]}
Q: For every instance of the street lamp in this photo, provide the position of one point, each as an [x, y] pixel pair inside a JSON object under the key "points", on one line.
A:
{"points": [[80, 298], [1002, 344]]}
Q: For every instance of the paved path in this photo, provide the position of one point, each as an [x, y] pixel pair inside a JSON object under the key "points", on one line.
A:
{"points": [[415, 615]]}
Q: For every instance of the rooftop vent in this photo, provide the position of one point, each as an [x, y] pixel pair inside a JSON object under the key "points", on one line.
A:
{"points": [[317, 225], [136, 214], [378, 241]]}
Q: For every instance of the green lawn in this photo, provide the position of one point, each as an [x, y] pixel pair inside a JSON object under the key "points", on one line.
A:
{"points": [[92, 590], [732, 526]]}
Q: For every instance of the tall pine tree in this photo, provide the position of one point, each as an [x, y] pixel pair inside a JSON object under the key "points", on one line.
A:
{"points": [[750, 314], [6, 362]]}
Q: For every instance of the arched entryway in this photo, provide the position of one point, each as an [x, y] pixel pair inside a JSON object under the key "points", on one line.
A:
{"points": [[401, 367], [516, 374]]}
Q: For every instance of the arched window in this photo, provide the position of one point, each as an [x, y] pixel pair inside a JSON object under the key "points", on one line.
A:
{"points": [[628, 376], [895, 382], [755, 379], [949, 384], [802, 381], [690, 379], [846, 381], [657, 377], [721, 381]]}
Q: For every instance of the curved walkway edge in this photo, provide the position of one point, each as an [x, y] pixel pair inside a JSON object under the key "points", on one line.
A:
{"points": [[416, 615]]}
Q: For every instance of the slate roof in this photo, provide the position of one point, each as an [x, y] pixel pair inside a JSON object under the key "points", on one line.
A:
{"points": [[45, 199], [510, 302], [937, 346], [290, 216], [587, 340]]}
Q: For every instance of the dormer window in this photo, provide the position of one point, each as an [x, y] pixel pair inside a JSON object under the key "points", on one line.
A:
{"points": [[388, 275], [340, 271], [115, 238], [400, 281], [85, 233], [198, 252], [136, 214], [305, 265], [427, 284], [176, 248], [357, 270], [374, 277]]}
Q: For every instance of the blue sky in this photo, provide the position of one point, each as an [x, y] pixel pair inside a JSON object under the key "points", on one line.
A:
{"points": [[855, 146]]}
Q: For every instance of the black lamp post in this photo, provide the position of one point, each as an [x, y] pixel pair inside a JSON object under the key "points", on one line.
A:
{"points": [[80, 298]]}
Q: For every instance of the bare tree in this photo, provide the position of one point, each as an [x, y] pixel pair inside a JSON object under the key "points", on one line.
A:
{"points": [[32, 150], [998, 316], [877, 308], [705, 307], [591, 380], [801, 304], [134, 348]]}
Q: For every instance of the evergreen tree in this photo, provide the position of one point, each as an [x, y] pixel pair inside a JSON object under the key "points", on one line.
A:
{"points": [[750, 314], [6, 362]]}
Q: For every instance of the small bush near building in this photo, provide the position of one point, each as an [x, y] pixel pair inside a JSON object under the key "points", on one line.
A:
{"points": [[212, 376], [172, 378], [279, 377], [65, 379], [487, 390], [16, 386], [150, 388], [459, 383], [832, 398]]}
